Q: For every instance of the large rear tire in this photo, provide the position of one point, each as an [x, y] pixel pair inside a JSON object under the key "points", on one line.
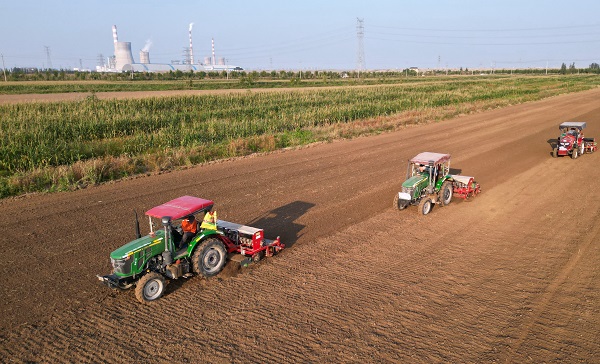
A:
{"points": [[150, 287], [210, 257], [425, 206], [446, 193]]}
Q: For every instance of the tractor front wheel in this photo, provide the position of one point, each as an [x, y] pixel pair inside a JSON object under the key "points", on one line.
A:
{"points": [[210, 257], [424, 206], [397, 204], [446, 193], [555, 152], [150, 287], [575, 153]]}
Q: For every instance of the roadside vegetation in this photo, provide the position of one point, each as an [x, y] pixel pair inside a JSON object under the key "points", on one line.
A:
{"points": [[68, 145]]}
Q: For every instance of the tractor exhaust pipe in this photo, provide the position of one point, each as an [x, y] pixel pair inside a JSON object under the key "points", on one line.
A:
{"points": [[137, 226]]}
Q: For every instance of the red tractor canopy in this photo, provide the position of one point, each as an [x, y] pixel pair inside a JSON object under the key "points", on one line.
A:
{"points": [[180, 207], [426, 157]]}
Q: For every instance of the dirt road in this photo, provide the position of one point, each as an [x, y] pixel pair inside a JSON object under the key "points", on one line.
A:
{"points": [[512, 276]]}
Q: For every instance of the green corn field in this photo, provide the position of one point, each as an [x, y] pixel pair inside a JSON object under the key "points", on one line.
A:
{"points": [[66, 145]]}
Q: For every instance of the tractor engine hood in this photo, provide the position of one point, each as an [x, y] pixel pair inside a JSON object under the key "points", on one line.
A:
{"points": [[127, 250], [567, 139], [415, 181]]}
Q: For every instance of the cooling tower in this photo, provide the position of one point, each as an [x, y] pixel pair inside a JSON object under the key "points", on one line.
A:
{"points": [[123, 54], [221, 61], [207, 61], [144, 57]]}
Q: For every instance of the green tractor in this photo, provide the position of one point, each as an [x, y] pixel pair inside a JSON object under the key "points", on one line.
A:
{"points": [[164, 253], [428, 182]]}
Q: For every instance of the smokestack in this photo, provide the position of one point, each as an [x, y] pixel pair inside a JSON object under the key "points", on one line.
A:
{"points": [[191, 48], [115, 37], [213, 51]]}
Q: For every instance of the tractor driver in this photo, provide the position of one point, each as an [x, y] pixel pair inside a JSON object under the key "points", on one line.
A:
{"points": [[189, 225], [423, 169]]}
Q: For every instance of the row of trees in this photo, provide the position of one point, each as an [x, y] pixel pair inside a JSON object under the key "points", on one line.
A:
{"points": [[34, 74], [593, 68]]}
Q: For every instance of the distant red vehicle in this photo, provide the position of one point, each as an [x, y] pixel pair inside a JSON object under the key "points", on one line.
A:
{"points": [[572, 141]]}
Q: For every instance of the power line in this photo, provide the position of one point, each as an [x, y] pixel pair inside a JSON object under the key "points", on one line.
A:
{"points": [[491, 30]]}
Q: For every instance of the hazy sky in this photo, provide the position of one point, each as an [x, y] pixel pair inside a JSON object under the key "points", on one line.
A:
{"points": [[309, 34]]}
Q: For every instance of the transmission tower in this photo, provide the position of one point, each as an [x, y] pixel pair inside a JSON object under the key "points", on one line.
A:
{"points": [[100, 61], [48, 60], [360, 55]]}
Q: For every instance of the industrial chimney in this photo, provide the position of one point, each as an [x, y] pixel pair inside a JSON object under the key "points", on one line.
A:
{"points": [[191, 48], [213, 51]]}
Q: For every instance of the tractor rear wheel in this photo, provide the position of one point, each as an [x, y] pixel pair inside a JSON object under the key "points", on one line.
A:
{"points": [[555, 152], [210, 257], [150, 287], [575, 153], [446, 193], [424, 206]]}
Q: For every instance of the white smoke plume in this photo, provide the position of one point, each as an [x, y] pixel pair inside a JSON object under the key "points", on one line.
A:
{"points": [[147, 46], [191, 25]]}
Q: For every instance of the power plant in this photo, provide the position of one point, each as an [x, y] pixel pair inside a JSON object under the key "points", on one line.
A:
{"points": [[123, 61]]}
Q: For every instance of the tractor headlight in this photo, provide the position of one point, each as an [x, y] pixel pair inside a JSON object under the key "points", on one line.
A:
{"points": [[122, 266], [406, 194]]}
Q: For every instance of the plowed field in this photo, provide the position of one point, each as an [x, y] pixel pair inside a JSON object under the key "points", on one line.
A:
{"points": [[510, 276]]}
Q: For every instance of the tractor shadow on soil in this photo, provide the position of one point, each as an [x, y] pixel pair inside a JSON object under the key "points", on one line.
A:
{"points": [[278, 222], [281, 222]]}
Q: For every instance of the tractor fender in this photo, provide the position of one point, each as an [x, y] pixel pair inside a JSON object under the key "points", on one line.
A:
{"points": [[199, 238], [440, 182]]}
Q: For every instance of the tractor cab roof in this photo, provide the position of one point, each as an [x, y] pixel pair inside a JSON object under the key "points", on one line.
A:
{"points": [[579, 125], [180, 207], [426, 157]]}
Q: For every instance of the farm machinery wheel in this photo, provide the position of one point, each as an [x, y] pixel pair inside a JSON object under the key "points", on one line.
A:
{"points": [[446, 193], [555, 152], [150, 287], [258, 256], [210, 257], [424, 206], [397, 205], [575, 153]]}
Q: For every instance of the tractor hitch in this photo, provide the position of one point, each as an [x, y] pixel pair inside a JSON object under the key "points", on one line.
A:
{"points": [[114, 281]]}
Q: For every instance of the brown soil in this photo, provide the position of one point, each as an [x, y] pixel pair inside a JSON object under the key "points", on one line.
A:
{"points": [[511, 276]]}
